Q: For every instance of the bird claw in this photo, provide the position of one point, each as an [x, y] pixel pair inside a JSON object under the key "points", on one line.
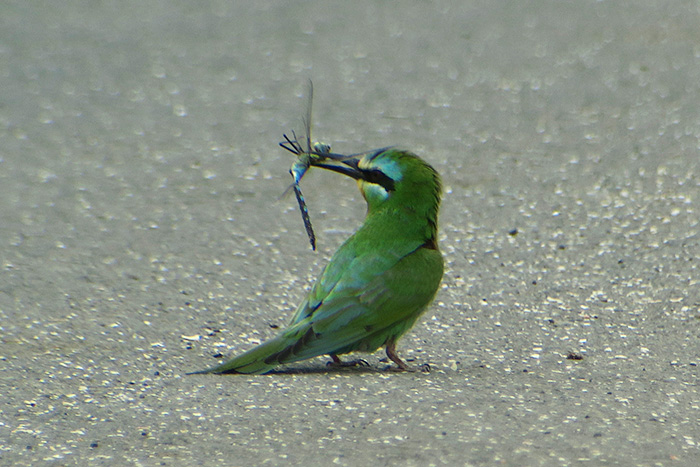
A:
{"points": [[338, 363]]}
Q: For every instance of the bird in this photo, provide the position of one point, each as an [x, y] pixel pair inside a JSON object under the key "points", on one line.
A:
{"points": [[380, 280]]}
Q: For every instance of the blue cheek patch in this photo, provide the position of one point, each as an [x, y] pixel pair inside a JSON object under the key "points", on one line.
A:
{"points": [[389, 167]]}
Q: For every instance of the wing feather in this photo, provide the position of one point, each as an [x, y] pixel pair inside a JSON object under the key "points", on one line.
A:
{"points": [[358, 317]]}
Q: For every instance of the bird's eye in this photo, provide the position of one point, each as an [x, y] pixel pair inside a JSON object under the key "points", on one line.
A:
{"points": [[378, 178]]}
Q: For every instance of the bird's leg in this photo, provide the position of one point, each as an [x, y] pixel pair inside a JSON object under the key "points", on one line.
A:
{"points": [[394, 357], [337, 362]]}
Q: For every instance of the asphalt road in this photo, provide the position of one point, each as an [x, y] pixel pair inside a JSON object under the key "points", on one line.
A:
{"points": [[142, 231]]}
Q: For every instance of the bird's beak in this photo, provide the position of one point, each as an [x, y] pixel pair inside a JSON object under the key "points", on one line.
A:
{"points": [[346, 165]]}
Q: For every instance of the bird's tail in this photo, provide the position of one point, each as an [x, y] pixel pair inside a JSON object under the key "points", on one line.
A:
{"points": [[260, 359]]}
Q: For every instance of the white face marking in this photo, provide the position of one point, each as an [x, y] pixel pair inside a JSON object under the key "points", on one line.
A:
{"points": [[374, 191]]}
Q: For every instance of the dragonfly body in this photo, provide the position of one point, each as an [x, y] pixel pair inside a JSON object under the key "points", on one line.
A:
{"points": [[299, 168]]}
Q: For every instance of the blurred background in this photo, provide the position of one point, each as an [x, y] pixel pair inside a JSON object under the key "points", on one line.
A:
{"points": [[142, 230]]}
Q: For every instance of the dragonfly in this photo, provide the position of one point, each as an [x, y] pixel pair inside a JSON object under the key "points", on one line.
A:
{"points": [[310, 154], [307, 155]]}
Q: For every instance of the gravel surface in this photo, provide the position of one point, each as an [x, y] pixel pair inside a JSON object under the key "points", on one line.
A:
{"points": [[142, 232]]}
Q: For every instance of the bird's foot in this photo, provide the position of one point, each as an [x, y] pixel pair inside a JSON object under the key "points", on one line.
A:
{"points": [[338, 363]]}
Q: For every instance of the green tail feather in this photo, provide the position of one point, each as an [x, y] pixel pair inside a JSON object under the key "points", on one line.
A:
{"points": [[257, 360]]}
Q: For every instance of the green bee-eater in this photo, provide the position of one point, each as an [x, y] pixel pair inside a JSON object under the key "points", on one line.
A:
{"points": [[379, 281]]}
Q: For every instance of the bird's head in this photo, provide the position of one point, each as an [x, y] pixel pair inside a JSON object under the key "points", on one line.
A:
{"points": [[392, 179]]}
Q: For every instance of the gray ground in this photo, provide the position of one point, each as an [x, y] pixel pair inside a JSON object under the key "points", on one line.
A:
{"points": [[139, 213]]}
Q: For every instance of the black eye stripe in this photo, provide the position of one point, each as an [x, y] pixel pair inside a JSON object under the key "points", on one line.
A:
{"points": [[379, 178]]}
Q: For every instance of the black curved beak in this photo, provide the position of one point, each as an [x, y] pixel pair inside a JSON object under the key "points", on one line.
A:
{"points": [[347, 165]]}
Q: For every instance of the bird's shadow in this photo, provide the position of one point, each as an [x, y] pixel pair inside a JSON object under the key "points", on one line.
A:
{"points": [[329, 370], [347, 370], [334, 370]]}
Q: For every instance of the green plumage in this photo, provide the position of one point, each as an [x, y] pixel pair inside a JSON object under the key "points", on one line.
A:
{"points": [[378, 282]]}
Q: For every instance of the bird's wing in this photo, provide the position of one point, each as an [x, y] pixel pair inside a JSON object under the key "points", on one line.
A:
{"points": [[353, 311], [350, 269]]}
